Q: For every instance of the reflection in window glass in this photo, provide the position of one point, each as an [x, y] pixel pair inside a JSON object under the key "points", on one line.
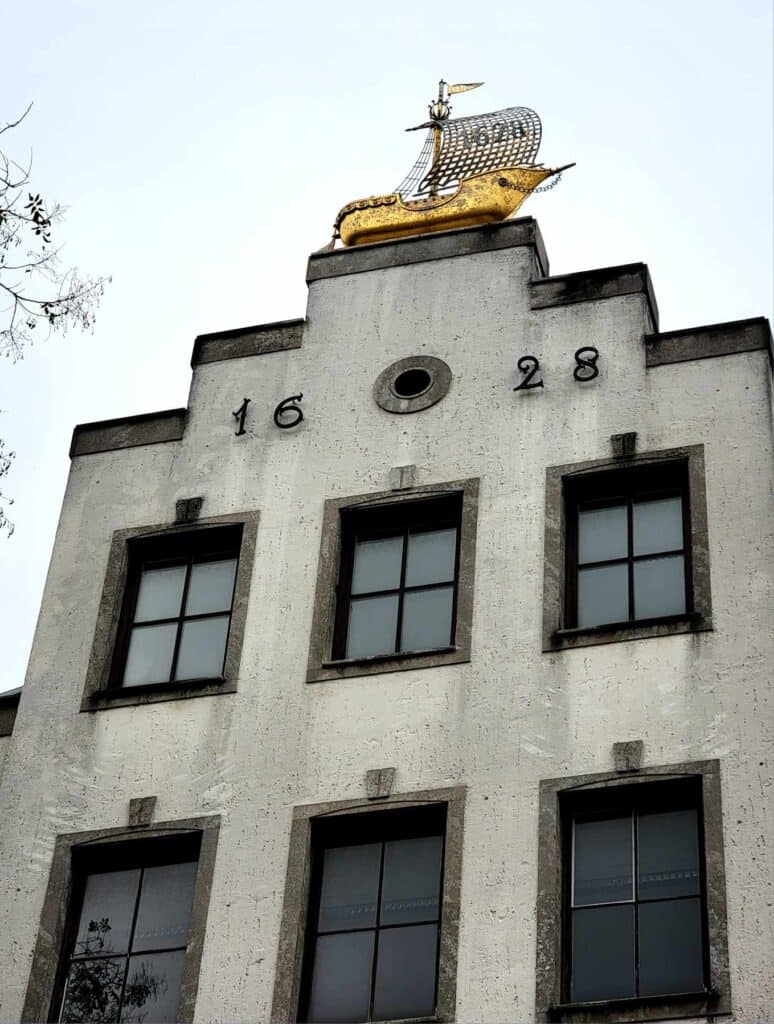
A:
{"points": [[377, 565], [603, 953], [427, 619], [151, 650], [372, 625], [161, 594], [659, 587], [142, 915], [602, 534], [658, 526], [211, 587], [670, 947], [603, 861], [202, 648], [374, 950], [603, 595], [668, 854], [431, 557]]}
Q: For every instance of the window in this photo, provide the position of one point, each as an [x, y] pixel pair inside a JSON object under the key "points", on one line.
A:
{"points": [[172, 615], [399, 579], [374, 921], [130, 936], [177, 609], [371, 911], [395, 581], [636, 914], [631, 912], [626, 549], [122, 926], [628, 546]]}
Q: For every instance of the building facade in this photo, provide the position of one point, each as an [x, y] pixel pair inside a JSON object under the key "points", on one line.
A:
{"points": [[432, 682]]}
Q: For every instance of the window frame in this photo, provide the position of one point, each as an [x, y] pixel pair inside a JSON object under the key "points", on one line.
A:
{"points": [[61, 906], [292, 962], [354, 830], [377, 526], [103, 686], [553, 904], [332, 584], [569, 485]]}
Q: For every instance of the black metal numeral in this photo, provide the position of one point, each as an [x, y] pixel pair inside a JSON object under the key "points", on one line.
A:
{"points": [[586, 365], [529, 366], [240, 416], [288, 407]]}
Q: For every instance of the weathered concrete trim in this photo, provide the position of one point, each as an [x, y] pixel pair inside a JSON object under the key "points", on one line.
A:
{"points": [[9, 705], [290, 952], [48, 949], [128, 432], [248, 341], [441, 245], [709, 341], [548, 982], [319, 666], [95, 697], [440, 377], [555, 637], [594, 285]]}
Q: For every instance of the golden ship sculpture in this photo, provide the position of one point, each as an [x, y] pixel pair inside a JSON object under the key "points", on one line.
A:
{"points": [[471, 170]]}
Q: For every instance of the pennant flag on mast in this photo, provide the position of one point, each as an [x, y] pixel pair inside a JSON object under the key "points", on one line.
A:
{"points": [[463, 87]]}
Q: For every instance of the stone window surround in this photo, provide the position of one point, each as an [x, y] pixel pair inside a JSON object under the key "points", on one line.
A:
{"points": [[56, 905], [320, 666], [95, 696], [555, 637], [290, 953], [550, 902]]}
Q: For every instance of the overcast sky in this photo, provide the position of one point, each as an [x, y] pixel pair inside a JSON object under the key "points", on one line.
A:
{"points": [[204, 149]]}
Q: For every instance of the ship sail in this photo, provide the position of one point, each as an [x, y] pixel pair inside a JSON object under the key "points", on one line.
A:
{"points": [[475, 145]]}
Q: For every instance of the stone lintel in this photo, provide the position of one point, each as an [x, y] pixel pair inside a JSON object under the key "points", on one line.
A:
{"points": [[128, 432], [709, 341], [593, 285], [439, 245], [247, 341]]}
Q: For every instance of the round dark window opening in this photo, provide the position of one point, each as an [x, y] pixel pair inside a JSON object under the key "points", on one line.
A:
{"points": [[412, 383]]}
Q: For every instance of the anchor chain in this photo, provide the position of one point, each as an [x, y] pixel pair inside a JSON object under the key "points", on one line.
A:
{"points": [[504, 183]]}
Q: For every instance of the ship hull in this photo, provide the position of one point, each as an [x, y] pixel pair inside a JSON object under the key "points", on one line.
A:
{"points": [[481, 199]]}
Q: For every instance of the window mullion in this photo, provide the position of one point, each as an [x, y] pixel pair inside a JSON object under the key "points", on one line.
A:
{"points": [[375, 960], [181, 620], [401, 592], [636, 899], [130, 941], [630, 552]]}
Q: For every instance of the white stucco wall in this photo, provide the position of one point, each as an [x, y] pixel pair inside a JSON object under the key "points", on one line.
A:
{"points": [[498, 724]]}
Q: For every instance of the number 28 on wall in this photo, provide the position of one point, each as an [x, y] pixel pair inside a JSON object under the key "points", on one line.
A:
{"points": [[585, 369]]}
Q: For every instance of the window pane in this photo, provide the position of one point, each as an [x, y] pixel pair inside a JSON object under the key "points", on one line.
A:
{"points": [[153, 988], [106, 916], [603, 595], [211, 587], [202, 647], [427, 619], [602, 534], [350, 887], [165, 907], [431, 557], [658, 525], [377, 565], [602, 861], [161, 591], [93, 991], [670, 947], [659, 587], [405, 972], [667, 855], [372, 625], [341, 980], [150, 654], [602, 953], [412, 880]]}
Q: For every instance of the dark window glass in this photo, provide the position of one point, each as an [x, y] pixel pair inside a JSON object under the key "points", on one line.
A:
{"points": [[177, 608], [636, 940], [398, 578], [142, 914], [373, 954], [628, 556]]}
